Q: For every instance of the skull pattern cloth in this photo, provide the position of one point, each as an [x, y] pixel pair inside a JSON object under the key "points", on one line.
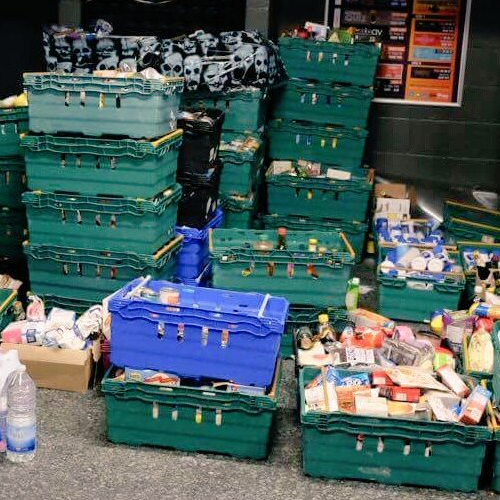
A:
{"points": [[229, 61]]}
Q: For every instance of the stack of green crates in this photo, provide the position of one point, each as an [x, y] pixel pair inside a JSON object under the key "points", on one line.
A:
{"points": [[243, 158], [320, 116], [245, 116], [13, 123], [471, 223], [102, 205]]}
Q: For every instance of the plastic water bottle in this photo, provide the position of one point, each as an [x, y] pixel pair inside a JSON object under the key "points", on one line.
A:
{"points": [[3, 421], [21, 417]]}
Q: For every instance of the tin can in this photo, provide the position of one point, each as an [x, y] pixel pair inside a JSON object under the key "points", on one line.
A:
{"points": [[305, 338]]}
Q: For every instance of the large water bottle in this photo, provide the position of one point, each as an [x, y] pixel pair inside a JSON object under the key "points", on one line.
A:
{"points": [[21, 417]]}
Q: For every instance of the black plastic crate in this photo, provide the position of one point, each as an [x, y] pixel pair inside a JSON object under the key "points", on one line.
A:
{"points": [[200, 144], [200, 197]]}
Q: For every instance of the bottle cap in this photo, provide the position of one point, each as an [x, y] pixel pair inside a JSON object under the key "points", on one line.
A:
{"points": [[313, 241], [323, 318], [355, 281], [282, 231], [478, 290]]}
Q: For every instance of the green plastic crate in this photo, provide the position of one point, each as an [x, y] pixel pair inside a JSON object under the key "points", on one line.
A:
{"points": [[12, 181], [13, 122], [471, 213], [233, 255], [94, 166], [308, 316], [330, 62], [464, 230], [322, 103], [91, 275], [77, 305], [108, 223], [190, 418], [319, 197], [354, 230], [334, 146], [98, 105], [241, 170], [12, 232], [7, 299], [407, 299], [245, 110], [344, 446], [240, 212]]}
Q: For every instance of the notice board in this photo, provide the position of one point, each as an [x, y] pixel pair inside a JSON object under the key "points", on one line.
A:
{"points": [[424, 46]]}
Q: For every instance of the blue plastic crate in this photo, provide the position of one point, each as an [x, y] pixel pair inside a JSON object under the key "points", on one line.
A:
{"points": [[204, 279], [97, 105], [194, 254], [210, 333]]}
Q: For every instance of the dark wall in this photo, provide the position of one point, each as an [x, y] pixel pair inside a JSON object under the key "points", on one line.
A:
{"points": [[167, 19], [448, 146], [21, 40]]}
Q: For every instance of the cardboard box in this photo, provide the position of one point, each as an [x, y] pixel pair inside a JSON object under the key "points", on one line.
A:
{"points": [[63, 369], [396, 191]]}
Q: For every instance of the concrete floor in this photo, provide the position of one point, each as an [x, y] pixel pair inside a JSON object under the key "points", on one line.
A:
{"points": [[76, 462]]}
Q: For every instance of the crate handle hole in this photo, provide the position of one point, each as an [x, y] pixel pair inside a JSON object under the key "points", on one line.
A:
{"points": [[112, 163], [82, 98], [78, 217], [204, 336], [227, 103], [224, 340], [407, 448], [65, 269], [218, 417], [102, 100], [97, 162], [297, 138], [155, 411], [320, 56], [118, 101], [311, 270], [97, 220], [63, 160], [308, 55], [98, 271], [161, 330], [428, 450], [309, 140], [113, 221], [180, 333], [328, 100], [67, 98], [334, 58], [380, 445], [79, 269], [198, 418], [334, 143], [175, 415], [346, 60], [359, 442], [113, 273], [270, 269], [314, 98], [63, 215], [302, 98]]}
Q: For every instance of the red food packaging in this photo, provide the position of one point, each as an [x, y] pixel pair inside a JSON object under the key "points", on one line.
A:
{"points": [[403, 394], [379, 377]]}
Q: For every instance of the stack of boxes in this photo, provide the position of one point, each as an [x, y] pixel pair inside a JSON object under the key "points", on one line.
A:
{"points": [[13, 122], [101, 161], [241, 150], [199, 172], [319, 131], [207, 375], [316, 181]]}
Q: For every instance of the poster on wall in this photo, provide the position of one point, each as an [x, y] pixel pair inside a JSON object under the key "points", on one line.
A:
{"points": [[424, 44]]}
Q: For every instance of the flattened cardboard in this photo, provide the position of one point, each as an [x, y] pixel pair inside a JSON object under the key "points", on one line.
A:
{"points": [[62, 369]]}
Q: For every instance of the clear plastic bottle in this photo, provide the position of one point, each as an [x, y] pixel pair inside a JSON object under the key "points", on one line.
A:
{"points": [[3, 421], [21, 417]]}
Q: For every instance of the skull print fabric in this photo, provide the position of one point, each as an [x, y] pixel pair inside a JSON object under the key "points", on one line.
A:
{"points": [[215, 63]]}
